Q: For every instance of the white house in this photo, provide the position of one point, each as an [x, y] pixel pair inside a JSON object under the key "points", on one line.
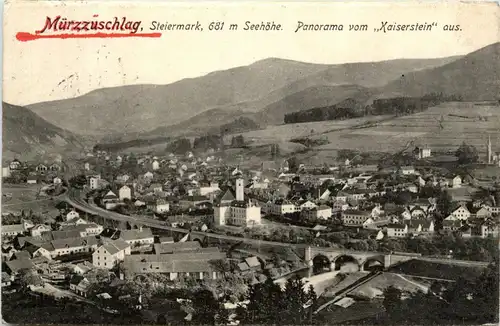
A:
{"points": [[424, 152], [71, 245], [322, 212], [355, 217], [419, 226], [483, 212], [32, 180], [12, 230], [206, 189], [5, 172], [456, 182], [307, 205], [407, 170], [110, 253], [15, 165], [125, 193], [281, 207], [72, 215], [109, 197], [159, 206], [41, 168], [57, 181], [94, 181], [460, 213], [141, 236], [155, 165], [37, 230], [397, 230]]}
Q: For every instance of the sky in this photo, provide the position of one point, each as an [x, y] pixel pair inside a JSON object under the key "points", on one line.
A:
{"points": [[52, 69]]}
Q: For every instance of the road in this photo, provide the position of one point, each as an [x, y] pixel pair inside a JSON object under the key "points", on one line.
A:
{"points": [[73, 198]]}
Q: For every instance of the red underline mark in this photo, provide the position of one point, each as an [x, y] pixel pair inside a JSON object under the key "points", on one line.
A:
{"points": [[24, 37]]}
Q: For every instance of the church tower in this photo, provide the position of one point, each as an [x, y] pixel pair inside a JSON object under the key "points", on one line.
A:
{"points": [[240, 194], [488, 150]]}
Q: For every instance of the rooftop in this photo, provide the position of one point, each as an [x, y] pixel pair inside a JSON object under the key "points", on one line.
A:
{"points": [[115, 246], [169, 248], [136, 234]]}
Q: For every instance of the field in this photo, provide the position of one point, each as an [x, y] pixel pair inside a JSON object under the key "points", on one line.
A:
{"points": [[436, 270], [376, 286], [443, 127], [26, 197], [286, 132]]}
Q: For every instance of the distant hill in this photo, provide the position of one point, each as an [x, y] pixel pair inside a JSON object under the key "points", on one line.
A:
{"points": [[252, 88], [241, 124], [475, 76], [26, 135], [309, 98]]}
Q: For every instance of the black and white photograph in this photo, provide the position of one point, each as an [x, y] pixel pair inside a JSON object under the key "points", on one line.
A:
{"points": [[259, 163]]}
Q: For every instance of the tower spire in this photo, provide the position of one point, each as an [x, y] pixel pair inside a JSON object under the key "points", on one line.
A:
{"points": [[489, 149]]}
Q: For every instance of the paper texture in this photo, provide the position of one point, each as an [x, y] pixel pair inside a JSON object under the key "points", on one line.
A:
{"points": [[250, 163]]}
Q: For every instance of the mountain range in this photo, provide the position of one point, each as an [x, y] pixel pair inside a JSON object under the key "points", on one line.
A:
{"points": [[26, 135], [252, 96], [260, 86]]}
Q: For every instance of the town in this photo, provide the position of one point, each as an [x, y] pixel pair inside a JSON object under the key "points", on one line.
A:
{"points": [[129, 227], [286, 164]]}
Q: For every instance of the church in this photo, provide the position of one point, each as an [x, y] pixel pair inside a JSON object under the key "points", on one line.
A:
{"points": [[233, 209], [491, 157]]}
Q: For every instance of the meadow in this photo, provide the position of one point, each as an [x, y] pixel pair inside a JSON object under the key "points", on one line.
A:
{"points": [[442, 128]]}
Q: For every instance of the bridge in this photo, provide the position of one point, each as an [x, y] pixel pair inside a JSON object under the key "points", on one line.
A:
{"points": [[315, 257]]}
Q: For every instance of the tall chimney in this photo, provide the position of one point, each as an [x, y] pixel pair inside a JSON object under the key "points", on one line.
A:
{"points": [[239, 189]]}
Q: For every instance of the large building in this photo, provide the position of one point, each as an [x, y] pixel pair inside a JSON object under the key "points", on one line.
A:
{"points": [[109, 254], [239, 212]]}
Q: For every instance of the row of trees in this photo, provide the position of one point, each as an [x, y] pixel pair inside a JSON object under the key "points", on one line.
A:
{"points": [[203, 143], [410, 105], [351, 109], [332, 112], [270, 304], [120, 146]]}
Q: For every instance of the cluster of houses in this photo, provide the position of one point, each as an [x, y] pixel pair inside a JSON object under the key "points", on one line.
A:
{"points": [[34, 173], [242, 198], [51, 253], [74, 247]]}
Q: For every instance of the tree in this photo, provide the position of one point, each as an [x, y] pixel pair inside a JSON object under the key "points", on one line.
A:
{"points": [[205, 308], [293, 311], [221, 266], [443, 208], [392, 300], [28, 277], [293, 164], [269, 304], [238, 141], [78, 181], [311, 298], [467, 154], [275, 151], [265, 302]]}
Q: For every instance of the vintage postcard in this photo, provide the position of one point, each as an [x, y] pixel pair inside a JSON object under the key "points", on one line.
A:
{"points": [[250, 163]]}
